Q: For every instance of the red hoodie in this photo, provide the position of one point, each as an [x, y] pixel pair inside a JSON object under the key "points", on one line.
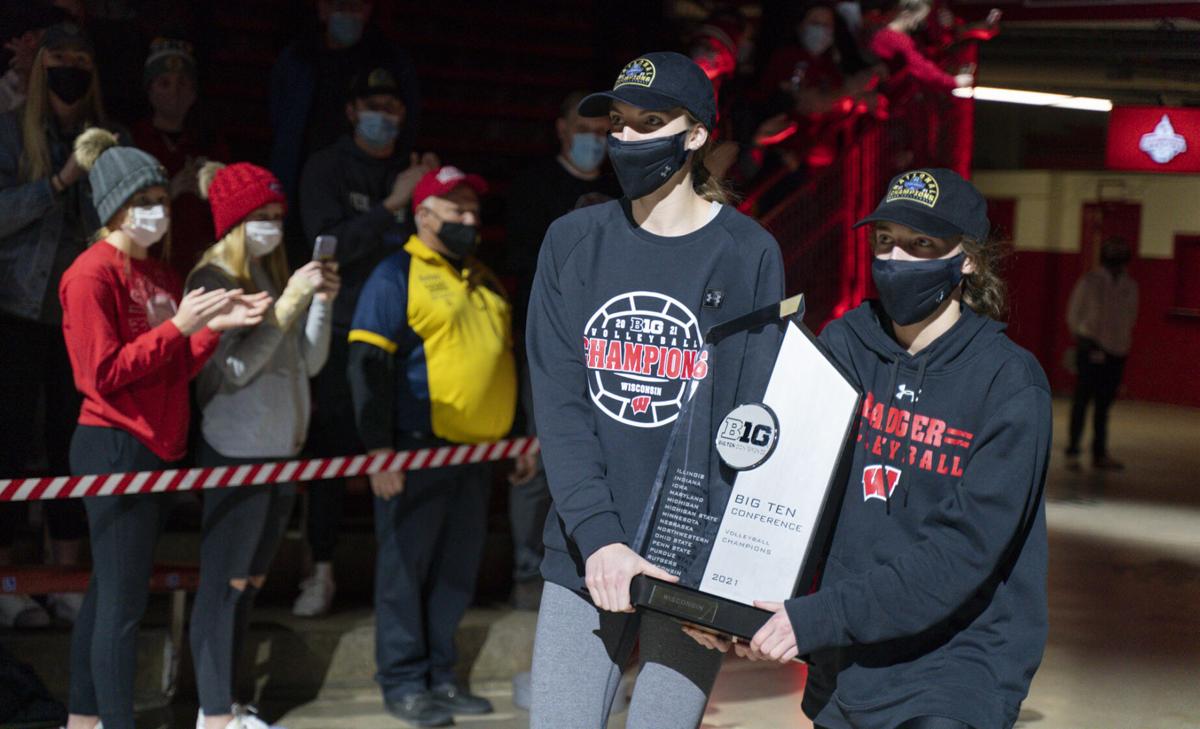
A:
{"points": [[905, 61], [131, 363]]}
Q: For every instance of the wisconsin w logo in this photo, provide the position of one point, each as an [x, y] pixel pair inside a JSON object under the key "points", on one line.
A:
{"points": [[874, 480]]}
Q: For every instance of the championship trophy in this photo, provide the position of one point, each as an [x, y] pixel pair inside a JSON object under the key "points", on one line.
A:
{"points": [[743, 500]]}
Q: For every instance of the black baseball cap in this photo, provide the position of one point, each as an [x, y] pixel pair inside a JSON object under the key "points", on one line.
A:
{"points": [[659, 81], [937, 202], [373, 82], [67, 35]]}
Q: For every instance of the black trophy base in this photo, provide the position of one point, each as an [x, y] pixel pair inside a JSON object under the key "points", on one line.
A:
{"points": [[709, 612]]}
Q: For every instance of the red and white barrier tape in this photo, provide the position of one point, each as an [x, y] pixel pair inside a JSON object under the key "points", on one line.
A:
{"points": [[216, 477]]}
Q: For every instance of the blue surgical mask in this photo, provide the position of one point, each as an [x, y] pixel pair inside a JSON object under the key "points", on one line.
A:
{"points": [[851, 12], [345, 29], [376, 129], [911, 291], [816, 38], [587, 151]]}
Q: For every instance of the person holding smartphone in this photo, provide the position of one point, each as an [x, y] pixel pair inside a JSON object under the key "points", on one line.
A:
{"points": [[254, 400], [673, 249], [134, 344]]}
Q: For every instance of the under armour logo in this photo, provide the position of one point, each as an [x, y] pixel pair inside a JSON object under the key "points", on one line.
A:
{"points": [[904, 392]]}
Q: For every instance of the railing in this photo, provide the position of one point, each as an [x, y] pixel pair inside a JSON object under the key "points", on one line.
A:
{"points": [[824, 256]]}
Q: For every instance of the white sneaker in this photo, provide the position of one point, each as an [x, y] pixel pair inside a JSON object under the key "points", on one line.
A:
{"points": [[65, 605], [22, 611], [244, 717], [316, 597]]}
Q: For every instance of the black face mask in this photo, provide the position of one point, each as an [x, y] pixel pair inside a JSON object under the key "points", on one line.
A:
{"points": [[461, 240], [68, 83], [1114, 261], [912, 290], [644, 166]]}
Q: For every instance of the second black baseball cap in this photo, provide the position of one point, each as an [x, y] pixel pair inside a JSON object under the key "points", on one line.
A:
{"points": [[373, 82], [659, 81], [934, 201]]}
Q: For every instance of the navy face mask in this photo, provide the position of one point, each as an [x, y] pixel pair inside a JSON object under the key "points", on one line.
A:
{"points": [[644, 166], [912, 290]]}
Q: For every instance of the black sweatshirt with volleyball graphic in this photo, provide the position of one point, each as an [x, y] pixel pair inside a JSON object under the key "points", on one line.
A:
{"points": [[933, 597], [615, 331]]}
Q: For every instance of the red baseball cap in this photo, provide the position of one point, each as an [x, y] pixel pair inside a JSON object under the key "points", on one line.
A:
{"points": [[437, 183]]}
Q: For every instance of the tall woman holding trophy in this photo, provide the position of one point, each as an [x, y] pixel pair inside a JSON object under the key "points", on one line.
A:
{"points": [[637, 281], [931, 612]]}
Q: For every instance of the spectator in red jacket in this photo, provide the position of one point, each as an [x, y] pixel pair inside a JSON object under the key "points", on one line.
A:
{"points": [[134, 344], [910, 70]]}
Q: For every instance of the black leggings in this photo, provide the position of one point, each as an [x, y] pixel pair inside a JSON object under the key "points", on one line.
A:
{"points": [[242, 530], [927, 722], [124, 530], [1099, 378]]}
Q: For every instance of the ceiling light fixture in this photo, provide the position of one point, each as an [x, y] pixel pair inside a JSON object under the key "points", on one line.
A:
{"points": [[1034, 98]]}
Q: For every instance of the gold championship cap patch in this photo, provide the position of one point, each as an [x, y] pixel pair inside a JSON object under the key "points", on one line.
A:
{"points": [[380, 77], [918, 186], [638, 72]]}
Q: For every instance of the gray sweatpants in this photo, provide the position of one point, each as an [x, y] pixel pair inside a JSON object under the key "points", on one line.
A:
{"points": [[579, 653]]}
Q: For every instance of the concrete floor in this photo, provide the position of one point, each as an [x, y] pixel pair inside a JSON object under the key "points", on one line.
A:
{"points": [[1124, 647]]}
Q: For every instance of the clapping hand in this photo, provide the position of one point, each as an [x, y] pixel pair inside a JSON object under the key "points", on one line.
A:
{"points": [[241, 310], [407, 180], [185, 180]]}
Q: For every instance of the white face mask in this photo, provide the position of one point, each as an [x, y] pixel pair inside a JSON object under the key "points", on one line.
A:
{"points": [[262, 236], [146, 226]]}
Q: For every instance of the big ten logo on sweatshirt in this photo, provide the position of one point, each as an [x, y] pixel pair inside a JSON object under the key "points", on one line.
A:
{"points": [[152, 304], [896, 438], [643, 350]]}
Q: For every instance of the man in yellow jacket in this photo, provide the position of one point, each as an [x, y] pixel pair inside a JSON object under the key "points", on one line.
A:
{"points": [[431, 363]]}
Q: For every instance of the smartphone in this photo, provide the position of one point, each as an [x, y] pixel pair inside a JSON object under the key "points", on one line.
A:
{"points": [[324, 248]]}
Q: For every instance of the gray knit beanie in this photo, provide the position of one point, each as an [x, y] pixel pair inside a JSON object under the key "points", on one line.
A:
{"points": [[115, 172]]}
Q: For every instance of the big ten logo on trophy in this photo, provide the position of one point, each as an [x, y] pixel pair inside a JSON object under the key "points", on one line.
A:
{"points": [[643, 352], [748, 436]]}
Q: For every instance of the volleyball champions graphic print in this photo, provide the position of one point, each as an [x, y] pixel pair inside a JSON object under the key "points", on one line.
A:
{"points": [[643, 350]]}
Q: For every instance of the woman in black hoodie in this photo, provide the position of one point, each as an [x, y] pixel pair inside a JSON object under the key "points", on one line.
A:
{"points": [[931, 613]]}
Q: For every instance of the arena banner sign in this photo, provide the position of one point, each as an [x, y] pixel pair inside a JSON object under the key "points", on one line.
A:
{"points": [[1154, 139]]}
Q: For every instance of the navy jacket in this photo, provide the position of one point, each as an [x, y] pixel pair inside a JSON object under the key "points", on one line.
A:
{"points": [[36, 240], [933, 598]]}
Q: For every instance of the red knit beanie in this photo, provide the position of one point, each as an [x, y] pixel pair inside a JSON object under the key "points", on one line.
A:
{"points": [[236, 190]]}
